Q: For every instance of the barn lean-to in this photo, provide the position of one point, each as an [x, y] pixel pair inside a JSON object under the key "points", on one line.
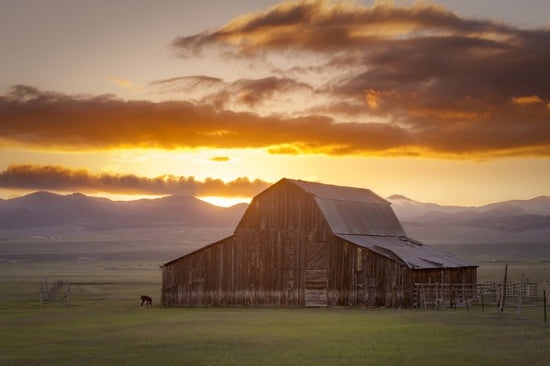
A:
{"points": [[311, 244]]}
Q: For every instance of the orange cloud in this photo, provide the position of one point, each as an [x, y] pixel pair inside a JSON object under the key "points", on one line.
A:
{"points": [[125, 83], [58, 178], [444, 84], [219, 159], [255, 95], [466, 127], [326, 26], [531, 99], [373, 99], [284, 150], [52, 120]]}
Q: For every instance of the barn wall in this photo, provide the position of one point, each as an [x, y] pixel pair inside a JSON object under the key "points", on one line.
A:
{"points": [[277, 256], [465, 275], [360, 277]]}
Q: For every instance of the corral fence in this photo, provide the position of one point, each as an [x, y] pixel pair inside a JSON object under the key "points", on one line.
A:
{"points": [[450, 295]]}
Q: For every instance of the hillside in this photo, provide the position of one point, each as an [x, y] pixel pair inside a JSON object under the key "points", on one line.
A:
{"points": [[44, 209], [509, 221]]}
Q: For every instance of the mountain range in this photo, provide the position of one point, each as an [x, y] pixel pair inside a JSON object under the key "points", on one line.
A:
{"points": [[45, 209], [511, 216], [516, 220]]}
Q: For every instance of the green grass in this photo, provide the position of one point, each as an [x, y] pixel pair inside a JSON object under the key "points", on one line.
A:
{"points": [[104, 325]]}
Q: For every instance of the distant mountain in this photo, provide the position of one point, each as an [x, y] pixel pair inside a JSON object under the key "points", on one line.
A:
{"points": [[45, 209], [408, 209], [518, 220]]}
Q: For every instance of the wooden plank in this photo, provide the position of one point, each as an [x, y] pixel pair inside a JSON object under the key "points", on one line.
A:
{"points": [[315, 288]]}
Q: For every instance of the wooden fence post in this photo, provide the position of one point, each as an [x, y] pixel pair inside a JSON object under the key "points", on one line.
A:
{"points": [[544, 304], [68, 298], [520, 299], [503, 295]]}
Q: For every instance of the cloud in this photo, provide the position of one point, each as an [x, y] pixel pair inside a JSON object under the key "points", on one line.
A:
{"points": [[126, 84], [220, 159], [262, 96], [413, 80], [530, 99], [324, 26], [58, 178], [452, 85], [461, 128], [52, 120]]}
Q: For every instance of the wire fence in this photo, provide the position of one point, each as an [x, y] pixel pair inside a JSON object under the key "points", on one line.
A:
{"points": [[518, 295]]}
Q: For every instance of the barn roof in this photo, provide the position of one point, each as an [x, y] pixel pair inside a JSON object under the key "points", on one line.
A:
{"points": [[356, 211], [339, 193], [412, 253], [361, 217]]}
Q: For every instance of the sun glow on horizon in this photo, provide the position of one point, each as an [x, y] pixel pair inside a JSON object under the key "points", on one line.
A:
{"points": [[225, 201]]}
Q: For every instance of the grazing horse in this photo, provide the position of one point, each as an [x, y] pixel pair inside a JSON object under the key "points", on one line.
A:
{"points": [[147, 300]]}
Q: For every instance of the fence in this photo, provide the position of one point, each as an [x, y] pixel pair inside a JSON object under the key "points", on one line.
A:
{"points": [[440, 295]]}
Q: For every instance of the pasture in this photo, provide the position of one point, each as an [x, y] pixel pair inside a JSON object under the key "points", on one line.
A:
{"points": [[105, 325]]}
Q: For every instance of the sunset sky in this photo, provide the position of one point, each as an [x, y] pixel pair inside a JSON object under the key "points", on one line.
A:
{"points": [[445, 102]]}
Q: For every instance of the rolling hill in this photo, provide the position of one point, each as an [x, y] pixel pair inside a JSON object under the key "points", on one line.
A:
{"points": [[517, 221], [45, 209]]}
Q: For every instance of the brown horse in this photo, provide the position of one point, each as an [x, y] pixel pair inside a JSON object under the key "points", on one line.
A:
{"points": [[147, 300]]}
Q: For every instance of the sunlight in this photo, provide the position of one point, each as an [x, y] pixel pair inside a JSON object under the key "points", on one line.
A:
{"points": [[225, 201], [124, 197]]}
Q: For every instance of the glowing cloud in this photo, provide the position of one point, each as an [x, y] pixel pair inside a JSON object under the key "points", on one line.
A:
{"points": [[220, 159], [58, 178], [50, 120], [403, 80], [531, 99]]}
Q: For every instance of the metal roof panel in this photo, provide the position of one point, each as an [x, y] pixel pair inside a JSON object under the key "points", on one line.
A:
{"points": [[333, 192], [412, 253], [359, 218]]}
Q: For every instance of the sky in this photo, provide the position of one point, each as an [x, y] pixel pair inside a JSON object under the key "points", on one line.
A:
{"points": [[445, 102]]}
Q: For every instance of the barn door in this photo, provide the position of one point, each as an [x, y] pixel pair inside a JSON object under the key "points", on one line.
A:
{"points": [[315, 287], [315, 274]]}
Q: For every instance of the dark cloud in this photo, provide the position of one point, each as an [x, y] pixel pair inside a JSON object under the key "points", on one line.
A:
{"points": [[323, 26], [459, 128], [53, 121], [406, 80], [250, 94], [453, 84], [57, 178]]}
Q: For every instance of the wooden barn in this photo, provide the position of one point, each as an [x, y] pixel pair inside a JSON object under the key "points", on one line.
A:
{"points": [[310, 244]]}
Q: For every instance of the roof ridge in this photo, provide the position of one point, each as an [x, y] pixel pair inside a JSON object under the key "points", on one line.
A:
{"points": [[336, 192]]}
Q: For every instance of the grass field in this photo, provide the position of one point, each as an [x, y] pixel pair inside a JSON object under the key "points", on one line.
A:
{"points": [[104, 324]]}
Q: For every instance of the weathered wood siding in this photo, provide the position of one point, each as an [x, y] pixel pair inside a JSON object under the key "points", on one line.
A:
{"points": [[360, 277]]}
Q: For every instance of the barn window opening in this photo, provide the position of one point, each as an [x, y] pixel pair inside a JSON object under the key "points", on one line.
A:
{"points": [[359, 260]]}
